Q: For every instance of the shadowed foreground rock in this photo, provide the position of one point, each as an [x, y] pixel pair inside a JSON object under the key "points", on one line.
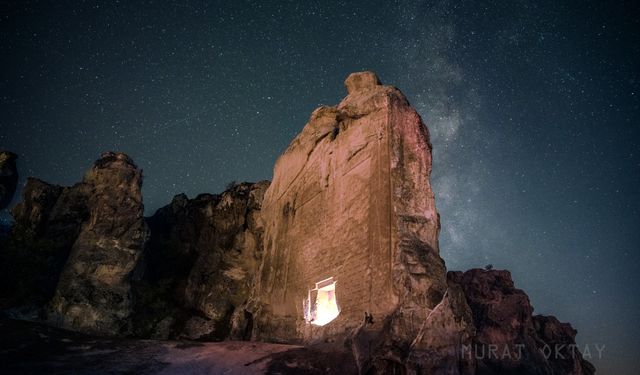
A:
{"points": [[200, 263], [47, 223], [72, 251], [504, 322], [8, 177]]}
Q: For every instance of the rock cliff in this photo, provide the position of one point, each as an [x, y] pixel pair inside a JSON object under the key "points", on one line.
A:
{"points": [[47, 223], [351, 212], [200, 263], [509, 338], [339, 253]]}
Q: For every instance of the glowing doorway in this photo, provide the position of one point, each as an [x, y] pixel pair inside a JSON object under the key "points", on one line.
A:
{"points": [[321, 305]]}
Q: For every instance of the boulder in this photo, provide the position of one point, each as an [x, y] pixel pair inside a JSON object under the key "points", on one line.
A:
{"points": [[47, 223]]}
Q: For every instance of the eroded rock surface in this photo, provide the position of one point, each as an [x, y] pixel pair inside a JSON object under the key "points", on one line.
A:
{"points": [[8, 177], [200, 265], [94, 291], [47, 223], [351, 200], [509, 339]]}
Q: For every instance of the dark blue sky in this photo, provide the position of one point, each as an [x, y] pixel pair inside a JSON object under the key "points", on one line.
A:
{"points": [[533, 109]]}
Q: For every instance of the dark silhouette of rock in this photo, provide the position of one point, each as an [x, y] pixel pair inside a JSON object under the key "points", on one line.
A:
{"points": [[509, 339], [8, 177], [204, 252], [560, 336], [47, 223]]}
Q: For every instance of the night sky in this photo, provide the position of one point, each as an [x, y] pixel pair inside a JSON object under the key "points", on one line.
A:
{"points": [[532, 106]]}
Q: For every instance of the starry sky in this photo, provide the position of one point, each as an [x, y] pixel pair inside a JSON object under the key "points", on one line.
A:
{"points": [[532, 106]]}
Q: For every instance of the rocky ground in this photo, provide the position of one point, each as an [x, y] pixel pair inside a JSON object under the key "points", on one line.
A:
{"points": [[33, 348]]}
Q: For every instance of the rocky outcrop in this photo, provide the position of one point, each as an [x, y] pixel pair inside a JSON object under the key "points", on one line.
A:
{"points": [[340, 253], [200, 264], [351, 208], [509, 339], [75, 256], [47, 223], [94, 292], [72, 250], [557, 341], [8, 177]]}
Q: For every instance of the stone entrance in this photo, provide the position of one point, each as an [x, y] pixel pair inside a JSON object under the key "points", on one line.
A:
{"points": [[321, 305]]}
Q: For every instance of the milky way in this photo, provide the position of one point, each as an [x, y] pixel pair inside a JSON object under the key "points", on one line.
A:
{"points": [[532, 108]]}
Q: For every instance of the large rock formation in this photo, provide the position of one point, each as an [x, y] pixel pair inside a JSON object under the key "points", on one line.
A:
{"points": [[509, 339], [200, 264], [351, 214], [93, 293], [8, 177], [75, 256], [47, 223], [74, 248], [339, 253]]}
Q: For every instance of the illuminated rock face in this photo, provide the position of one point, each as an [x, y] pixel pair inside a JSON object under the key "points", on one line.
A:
{"points": [[351, 200], [73, 250]]}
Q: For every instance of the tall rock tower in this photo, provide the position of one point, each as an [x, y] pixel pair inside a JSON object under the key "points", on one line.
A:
{"points": [[351, 233], [93, 293]]}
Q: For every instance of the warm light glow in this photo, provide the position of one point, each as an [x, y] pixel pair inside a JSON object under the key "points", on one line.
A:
{"points": [[321, 305]]}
